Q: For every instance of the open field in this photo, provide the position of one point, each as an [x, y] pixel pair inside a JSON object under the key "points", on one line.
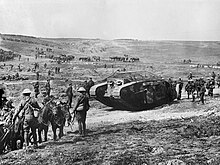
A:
{"points": [[184, 132]]}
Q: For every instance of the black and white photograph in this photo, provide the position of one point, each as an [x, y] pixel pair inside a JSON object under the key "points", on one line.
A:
{"points": [[109, 82]]}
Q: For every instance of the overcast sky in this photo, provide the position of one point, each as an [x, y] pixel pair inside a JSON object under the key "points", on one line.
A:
{"points": [[110, 19]]}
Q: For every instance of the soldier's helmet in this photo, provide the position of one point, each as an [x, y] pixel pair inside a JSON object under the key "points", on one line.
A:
{"points": [[81, 89], [26, 91]]}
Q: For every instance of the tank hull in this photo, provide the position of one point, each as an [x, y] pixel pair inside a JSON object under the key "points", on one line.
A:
{"points": [[133, 96]]}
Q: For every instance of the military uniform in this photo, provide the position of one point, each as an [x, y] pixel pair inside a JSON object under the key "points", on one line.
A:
{"points": [[180, 87], [202, 94], [190, 88], [80, 110], [26, 111], [69, 93], [47, 87], [210, 86], [36, 89]]}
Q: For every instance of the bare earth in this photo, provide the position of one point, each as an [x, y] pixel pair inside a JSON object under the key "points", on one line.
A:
{"points": [[183, 132]]}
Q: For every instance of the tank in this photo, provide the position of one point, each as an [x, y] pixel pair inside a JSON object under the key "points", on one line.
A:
{"points": [[133, 91]]}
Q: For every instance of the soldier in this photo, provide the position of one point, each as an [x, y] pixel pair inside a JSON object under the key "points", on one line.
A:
{"points": [[47, 87], [179, 86], [26, 111], [36, 89], [86, 86], [45, 65], [210, 86], [90, 84], [190, 76], [69, 93], [202, 93], [213, 75], [190, 88], [80, 109]]}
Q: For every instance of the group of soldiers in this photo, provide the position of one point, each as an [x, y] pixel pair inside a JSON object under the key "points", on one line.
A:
{"points": [[197, 87], [29, 104]]}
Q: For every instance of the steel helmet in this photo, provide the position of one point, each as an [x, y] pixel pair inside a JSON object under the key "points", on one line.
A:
{"points": [[26, 91], [81, 89]]}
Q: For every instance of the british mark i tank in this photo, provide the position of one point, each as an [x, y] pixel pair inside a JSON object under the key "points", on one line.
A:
{"points": [[139, 90]]}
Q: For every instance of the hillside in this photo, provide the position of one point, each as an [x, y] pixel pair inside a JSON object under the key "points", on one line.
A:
{"points": [[183, 132]]}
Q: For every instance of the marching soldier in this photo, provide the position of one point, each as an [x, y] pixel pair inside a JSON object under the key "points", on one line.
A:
{"points": [[80, 109], [26, 111]]}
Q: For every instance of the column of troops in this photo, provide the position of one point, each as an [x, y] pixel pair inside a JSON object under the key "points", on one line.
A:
{"points": [[24, 123], [196, 88]]}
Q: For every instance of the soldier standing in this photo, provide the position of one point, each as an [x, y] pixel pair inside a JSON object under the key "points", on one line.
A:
{"points": [[69, 93], [36, 89], [80, 109], [202, 93], [213, 75], [180, 87], [47, 87], [26, 111], [90, 84], [190, 76], [210, 86]]}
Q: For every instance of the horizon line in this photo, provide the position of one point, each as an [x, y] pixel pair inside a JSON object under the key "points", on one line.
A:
{"points": [[25, 35]]}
